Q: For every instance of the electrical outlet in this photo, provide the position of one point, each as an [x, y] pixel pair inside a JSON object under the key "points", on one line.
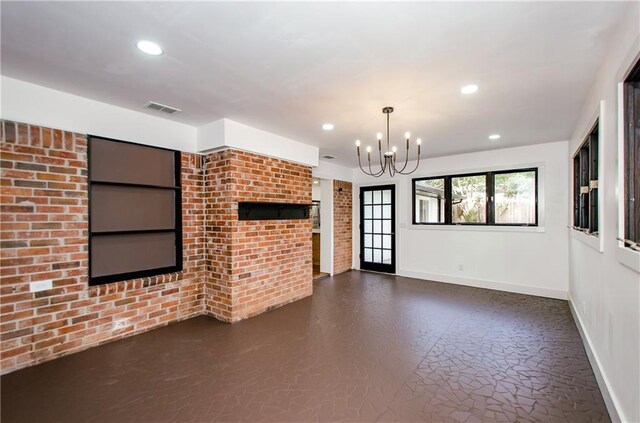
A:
{"points": [[40, 285]]}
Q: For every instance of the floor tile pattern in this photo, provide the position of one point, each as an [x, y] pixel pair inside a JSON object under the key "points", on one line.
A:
{"points": [[364, 347]]}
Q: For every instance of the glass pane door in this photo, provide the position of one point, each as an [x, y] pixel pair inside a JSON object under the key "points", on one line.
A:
{"points": [[377, 228]]}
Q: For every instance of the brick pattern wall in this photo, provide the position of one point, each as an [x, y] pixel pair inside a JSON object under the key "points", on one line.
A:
{"points": [[254, 266], [44, 235], [342, 228]]}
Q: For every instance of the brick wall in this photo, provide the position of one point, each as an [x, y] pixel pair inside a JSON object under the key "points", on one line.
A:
{"points": [[254, 265], [44, 236], [243, 269], [342, 229]]}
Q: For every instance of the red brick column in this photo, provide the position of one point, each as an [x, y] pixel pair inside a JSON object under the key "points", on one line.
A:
{"points": [[254, 266], [342, 228]]}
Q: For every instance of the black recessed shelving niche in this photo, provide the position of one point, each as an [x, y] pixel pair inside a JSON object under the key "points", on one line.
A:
{"points": [[135, 211], [272, 211]]}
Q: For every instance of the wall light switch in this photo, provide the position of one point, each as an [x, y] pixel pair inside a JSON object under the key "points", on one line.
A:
{"points": [[40, 285]]}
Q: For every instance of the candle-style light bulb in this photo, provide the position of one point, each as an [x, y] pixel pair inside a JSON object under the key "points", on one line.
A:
{"points": [[368, 149], [418, 141], [407, 135], [394, 149], [379, 136], [357, 143]]}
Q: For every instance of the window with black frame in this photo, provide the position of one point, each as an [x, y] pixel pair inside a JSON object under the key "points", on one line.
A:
{"points": [[135, 217], [506, 197], [632, 159], [585, 184]]}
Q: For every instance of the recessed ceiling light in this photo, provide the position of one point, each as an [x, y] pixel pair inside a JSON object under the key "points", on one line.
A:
{"points": [[315, 182], [149, 47], [469, 89], [327, 126], [494, 136]]}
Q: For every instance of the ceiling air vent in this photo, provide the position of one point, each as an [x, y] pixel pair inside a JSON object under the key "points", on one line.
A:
{"points": [[328, 157], [162, 108]]}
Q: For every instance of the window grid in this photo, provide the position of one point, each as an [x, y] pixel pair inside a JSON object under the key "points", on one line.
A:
{"points": [[377, 229]]}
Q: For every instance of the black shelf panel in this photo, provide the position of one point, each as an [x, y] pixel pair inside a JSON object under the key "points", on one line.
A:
{"points": [[272, 211], [129, 184], [133, 231]]}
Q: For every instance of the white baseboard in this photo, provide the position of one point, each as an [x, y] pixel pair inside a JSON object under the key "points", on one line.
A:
{"points": [[607, 394], [483, 283]]}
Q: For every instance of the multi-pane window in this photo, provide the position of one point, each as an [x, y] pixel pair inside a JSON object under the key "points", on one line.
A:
{"points": [[632, 159], [430, 200], [585, 184], [490, 198], [515, 197], [469, 199]]}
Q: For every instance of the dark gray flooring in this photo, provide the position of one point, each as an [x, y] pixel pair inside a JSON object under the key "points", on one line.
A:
{"points": [[365, 347]]}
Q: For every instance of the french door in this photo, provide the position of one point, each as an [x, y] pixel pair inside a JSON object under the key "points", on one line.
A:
{"points": [[377, 228]]}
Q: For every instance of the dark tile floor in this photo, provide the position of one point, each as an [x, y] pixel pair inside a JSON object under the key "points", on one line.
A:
{"points": [[365, 347], [317, 274]]}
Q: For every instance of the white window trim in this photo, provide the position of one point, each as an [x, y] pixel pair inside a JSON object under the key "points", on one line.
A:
{"points": [[476, 228], [592, 241]]}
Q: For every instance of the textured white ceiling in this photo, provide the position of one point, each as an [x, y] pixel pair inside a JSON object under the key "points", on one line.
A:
{"points": [[289, 67]]}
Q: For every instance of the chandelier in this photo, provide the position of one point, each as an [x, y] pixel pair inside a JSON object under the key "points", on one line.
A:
{"points": [[388, 159]]}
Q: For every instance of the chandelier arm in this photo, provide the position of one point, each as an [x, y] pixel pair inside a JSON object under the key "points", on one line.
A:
{"points": [[376, 174], [415, 168], [362, 169], [383, 168], [406, 159]]}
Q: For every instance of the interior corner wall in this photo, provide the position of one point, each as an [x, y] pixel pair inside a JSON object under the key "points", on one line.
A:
{"points": [[254, 265], [604, 291], [516, 259], [342, 226], [44, 236], [326, 226]]}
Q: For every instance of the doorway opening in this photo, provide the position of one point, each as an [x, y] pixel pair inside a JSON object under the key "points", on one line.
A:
{"points": [[320, 229]]}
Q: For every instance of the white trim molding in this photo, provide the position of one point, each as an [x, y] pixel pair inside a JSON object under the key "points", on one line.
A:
{"points": [[610, 399], [487, 284]]}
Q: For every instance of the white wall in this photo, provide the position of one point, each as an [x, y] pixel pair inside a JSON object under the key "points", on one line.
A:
{"points": [[518, 259], [329, 170], [316, 191], [29, 103], [604, 288], [326, 226], [225, 133]]}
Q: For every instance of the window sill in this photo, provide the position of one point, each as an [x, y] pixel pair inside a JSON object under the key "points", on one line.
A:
{"points": [[477, 228], [629, 258], [592, 241]]}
